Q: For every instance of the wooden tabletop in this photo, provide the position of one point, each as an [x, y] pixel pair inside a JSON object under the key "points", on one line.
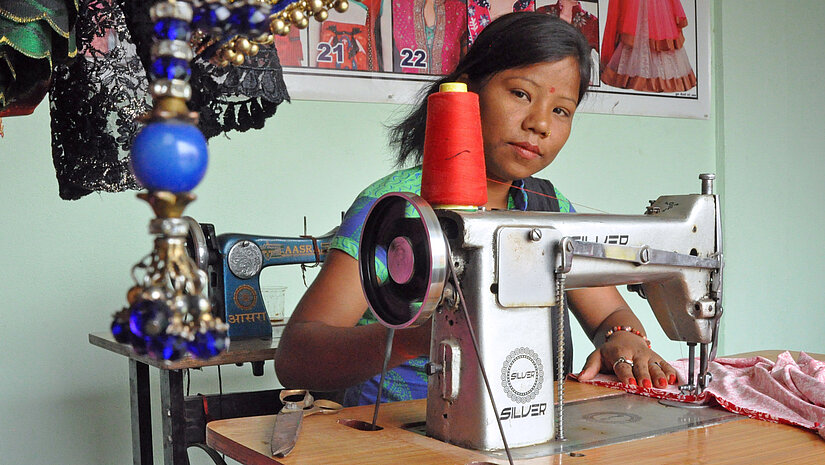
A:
{"points": [[325, 441], [239, 351]]}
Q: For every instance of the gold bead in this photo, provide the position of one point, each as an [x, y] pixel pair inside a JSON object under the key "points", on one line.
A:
{"points": [[341, 6], [239, 59], [173, 105], [277, 26], [133, 295], [321, 16], [286, 30], [303, 23], [296, 16], [315, 5], [242, 45], [263, 39], [229, 54], [253, 50]]}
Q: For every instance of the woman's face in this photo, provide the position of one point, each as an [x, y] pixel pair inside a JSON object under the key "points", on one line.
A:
{"points": [[526, 114]]}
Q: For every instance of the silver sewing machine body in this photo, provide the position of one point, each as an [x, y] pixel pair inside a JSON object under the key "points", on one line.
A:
{"points": [[511, 268]]}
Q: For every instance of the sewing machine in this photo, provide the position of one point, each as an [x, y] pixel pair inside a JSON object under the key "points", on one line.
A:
{"points": [[234, 262], [510, 270]]}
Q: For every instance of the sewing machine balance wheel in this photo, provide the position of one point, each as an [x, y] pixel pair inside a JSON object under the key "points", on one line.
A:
{"points": [[402, 260]]}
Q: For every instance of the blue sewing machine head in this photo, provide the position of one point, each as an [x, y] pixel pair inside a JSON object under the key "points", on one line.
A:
{"points": [[234, 263]]}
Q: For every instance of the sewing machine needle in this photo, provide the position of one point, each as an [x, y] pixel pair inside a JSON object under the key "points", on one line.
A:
{"points": [[387, 353]]}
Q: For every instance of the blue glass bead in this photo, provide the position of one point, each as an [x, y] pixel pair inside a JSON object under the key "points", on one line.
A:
{"points": [[171, 68], [210, 17], [208, 344], [217, 15], [234, 21], [255, 19], [172, 29], [148, 318], [169, 156], [281, 5], [120, 330], [166, 347], [198, 16], [138, 344]]}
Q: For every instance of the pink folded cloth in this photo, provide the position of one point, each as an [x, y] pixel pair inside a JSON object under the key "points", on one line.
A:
{"points": [[788, 391]]}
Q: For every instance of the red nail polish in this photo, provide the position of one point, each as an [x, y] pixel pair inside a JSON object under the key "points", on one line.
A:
{"points": [[632, 381], [647, 383], [662, 382], [672, 379]]}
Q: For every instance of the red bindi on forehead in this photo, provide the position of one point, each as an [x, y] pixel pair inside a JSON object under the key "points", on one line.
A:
{"points": [[552, 90]]}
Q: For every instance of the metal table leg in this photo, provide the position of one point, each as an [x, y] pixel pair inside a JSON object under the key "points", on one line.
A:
{"points": [[173, 417], [141, 410]]}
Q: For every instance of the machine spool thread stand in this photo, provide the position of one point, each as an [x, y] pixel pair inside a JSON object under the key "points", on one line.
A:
{"points": [[387, 354]]}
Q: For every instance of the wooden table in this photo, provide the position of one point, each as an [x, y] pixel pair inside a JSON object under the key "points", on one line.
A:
{"points": [[182, 425], [324, 441]]}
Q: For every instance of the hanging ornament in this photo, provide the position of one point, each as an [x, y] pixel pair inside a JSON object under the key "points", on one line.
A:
{"points": [[229, 32], [168, 313]]}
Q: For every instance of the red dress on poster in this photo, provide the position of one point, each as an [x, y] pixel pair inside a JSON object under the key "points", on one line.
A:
{"points": [[479, 16], [290, 50], [582, 20], [352, 46], [643, 48], [346, 46], [417, 50]]}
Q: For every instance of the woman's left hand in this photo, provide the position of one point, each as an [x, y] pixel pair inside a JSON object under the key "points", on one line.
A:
{"points": [[627, 355]]}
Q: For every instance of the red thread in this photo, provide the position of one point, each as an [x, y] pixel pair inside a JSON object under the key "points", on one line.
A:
{"points": [[453, 170], [544, 195]]}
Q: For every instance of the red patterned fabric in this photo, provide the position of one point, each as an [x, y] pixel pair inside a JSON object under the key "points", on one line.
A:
{"points": [[478, 14], [409, 34], [665, 21], [587, 23], [348, 45], [290, 49], [788, 391]]}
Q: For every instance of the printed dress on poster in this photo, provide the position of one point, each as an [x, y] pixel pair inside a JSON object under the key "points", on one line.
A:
{"points": [[428, 47], [643, 46]]}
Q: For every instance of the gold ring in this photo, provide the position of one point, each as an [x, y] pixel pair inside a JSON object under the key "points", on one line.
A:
{"points": [[622, 360]]}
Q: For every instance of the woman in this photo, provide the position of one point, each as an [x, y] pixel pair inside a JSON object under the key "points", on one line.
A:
{"points": [[530, 71]]}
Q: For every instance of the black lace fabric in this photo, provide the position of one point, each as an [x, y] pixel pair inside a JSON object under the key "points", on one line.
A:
{"points": [[96, 98]]}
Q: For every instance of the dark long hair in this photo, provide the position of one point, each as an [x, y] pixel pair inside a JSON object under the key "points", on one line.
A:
{"points": [[511, 41]]}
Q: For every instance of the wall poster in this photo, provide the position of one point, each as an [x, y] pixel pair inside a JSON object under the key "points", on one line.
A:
{"points": [[651, 57]]}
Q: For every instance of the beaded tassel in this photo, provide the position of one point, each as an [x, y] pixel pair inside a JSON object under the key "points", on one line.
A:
{"points": [[168, 313]]}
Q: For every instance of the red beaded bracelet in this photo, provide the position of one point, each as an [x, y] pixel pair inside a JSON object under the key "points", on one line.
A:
{"points": [[629, 330]]}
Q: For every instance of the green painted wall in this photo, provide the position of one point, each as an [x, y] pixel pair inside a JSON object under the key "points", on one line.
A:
{"points": [[66, 264], [772, 157]]}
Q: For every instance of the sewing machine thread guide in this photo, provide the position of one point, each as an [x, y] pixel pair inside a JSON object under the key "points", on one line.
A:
{"points": [[462, 301]]}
